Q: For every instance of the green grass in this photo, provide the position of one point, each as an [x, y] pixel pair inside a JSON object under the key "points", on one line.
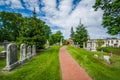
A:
{"points": [[110, 49], [44, 66], [1, 48], [96, 68]]}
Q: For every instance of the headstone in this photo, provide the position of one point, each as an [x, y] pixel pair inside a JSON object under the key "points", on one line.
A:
{"points": [[47, 43], [29, 53], [84, 45], [5, 45], [33, 50], [22, 52], [61, 42], [11, 58], [107, 59]]}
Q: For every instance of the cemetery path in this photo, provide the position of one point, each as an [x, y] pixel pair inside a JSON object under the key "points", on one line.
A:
{"points": [[70, 68]]}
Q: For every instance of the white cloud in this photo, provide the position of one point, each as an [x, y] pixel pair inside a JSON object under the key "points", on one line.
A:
{"points": [[65, 17], [15, 4], [31, 4], [65, 20]]}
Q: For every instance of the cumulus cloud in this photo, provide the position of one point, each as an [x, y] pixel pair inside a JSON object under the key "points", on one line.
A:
{"points": [[64, 16], [14, 4], [31, 4]]}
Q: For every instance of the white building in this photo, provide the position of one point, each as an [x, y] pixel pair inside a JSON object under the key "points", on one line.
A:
{"points": [[92, 44]]}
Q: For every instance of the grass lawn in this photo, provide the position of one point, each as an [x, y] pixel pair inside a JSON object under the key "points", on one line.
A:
{"points": [[96, 68], [44, 66], [110, 49], [1, 48]]}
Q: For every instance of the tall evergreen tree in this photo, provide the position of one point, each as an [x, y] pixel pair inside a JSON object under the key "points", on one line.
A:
{"points": [[81, 35]]}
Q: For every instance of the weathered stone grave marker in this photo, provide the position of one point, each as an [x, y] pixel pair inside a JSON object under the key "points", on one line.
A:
{"points": [[11, 57], [29, 53], [33, 50], [22, 52]]}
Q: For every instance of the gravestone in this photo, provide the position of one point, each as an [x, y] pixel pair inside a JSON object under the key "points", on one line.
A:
{"points": [[107, 59], [47, 43], [33, 50], [29, 53], [11, 57], [22, 52], [5, 43], [84, 45], [61, 42]]}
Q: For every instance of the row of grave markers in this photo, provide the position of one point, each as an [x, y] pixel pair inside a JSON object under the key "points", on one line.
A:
{"points": [[12, 55]]}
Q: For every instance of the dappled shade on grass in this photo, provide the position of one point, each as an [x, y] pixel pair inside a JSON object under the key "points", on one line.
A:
{"points": [[44, 66], [96, 68]]}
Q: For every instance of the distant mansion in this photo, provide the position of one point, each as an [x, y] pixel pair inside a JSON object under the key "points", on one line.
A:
{"points": [[92, 44]]}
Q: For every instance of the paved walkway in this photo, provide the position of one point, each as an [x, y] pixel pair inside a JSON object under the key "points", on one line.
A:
{"points": [[70, 68]]}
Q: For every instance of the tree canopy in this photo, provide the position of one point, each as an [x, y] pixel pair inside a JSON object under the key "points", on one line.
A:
{"points": [[28, 30], [111, 16], [9, 25], [56, 38]]}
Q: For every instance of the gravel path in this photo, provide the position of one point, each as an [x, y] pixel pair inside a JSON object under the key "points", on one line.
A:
{"points": [[70, 68]]}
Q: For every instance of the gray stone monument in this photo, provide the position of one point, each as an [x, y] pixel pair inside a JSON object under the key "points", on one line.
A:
{"points": [[22, 52], [33, 50], [29, 52], [11, 57], [5, 45], [61, 42], [47, 44], [84, 47]]}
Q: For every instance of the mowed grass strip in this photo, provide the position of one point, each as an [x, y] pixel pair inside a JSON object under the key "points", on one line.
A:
{"points": [[44, 66], [96, 68]]}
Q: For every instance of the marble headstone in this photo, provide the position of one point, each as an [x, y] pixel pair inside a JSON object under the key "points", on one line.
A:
{"points": [[33, 50], [29, 52], [11, 57], [22, 52]]}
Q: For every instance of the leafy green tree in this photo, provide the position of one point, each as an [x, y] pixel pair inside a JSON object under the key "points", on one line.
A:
{"points": [[9, 25], [81, 35], [55, 38], [100, 42], [33, 31], [111, 16]]}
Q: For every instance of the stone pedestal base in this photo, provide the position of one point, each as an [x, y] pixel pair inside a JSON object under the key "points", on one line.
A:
{"points": [[10, 67]]}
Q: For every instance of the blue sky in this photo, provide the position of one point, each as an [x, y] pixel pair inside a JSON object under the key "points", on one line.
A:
{"points": [[61, 14]]}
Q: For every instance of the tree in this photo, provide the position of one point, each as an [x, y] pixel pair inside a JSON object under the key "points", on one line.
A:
{"points": [[9, 25], [100, 42], [81, 35], [72, 33], [55, 38], [33, 31], [111, 16]]}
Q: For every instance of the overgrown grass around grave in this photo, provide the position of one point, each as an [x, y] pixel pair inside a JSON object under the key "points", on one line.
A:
{"points": [[44, 66], [96, 68]]}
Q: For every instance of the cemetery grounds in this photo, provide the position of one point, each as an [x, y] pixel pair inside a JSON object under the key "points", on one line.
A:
{"points": [[45, 66]]}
